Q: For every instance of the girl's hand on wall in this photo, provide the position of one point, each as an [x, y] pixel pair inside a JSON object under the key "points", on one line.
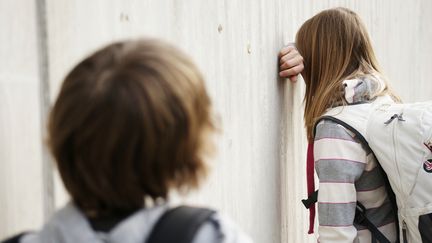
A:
{"points": [[291, 63]]}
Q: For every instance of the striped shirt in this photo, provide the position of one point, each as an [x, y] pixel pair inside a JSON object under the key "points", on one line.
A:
{"points": [[348, 173]]}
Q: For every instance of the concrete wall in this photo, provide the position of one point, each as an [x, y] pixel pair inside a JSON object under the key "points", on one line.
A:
{"points": [[258, 175], [21, 183]]}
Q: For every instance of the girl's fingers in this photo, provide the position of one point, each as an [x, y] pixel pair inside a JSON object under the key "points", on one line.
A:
{"points": [[285, 50], [288, 56], [294, 71], [291, 62]]}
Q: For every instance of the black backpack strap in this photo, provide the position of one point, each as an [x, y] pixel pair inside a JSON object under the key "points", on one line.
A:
{"points": [[311, 200], [179, 225], [14, 239], [360, 210], [361, 219]]}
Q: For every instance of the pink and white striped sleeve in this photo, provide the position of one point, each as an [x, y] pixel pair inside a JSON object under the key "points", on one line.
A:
{"points": [[339, 161]]}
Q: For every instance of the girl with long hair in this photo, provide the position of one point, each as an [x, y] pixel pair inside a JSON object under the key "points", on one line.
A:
{"points": [[334, 54]]}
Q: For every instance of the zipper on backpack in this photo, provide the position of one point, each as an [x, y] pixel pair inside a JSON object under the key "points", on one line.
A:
{"points": [[404, 232], [396, 155]]}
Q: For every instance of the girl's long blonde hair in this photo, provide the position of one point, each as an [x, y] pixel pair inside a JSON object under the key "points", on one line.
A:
{"points": [[335, 46]]}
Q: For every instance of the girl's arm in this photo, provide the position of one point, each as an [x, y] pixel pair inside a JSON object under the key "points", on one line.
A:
{"points": [[339, 161]]}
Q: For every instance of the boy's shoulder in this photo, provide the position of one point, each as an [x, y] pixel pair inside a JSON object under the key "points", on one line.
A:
{"points": [[221, 228], [15, 239], [69, 225]]}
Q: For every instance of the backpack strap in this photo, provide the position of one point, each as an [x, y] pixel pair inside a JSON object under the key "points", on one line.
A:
{"points": [[361, 219], [360, 216], [179, 225], [14, 239], [313, 198]]}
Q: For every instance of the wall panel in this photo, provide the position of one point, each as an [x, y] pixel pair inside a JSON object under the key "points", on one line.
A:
{"points": [[259, 171], [21, 184], [234, 43]]}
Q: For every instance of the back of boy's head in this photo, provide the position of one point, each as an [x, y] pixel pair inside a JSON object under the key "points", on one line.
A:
{"points": [[130, 122]]}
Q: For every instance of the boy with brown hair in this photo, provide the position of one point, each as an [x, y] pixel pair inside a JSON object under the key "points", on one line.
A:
{"points": [[131, 124]]}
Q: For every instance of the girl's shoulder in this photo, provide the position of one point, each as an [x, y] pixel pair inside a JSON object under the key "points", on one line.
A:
{"points": [[328, 129]]}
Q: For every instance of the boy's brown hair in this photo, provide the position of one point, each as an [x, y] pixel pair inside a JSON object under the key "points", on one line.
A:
{"points": [[130, 122]]}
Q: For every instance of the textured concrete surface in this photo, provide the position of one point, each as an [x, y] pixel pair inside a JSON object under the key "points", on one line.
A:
{"points": [[258, 175]]}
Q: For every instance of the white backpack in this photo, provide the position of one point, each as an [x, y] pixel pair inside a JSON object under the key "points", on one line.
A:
{"points": [[400, 136]]}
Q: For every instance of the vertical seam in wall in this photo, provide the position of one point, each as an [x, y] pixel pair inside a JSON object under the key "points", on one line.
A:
{"points": [[283, 127], [44, 101]]}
